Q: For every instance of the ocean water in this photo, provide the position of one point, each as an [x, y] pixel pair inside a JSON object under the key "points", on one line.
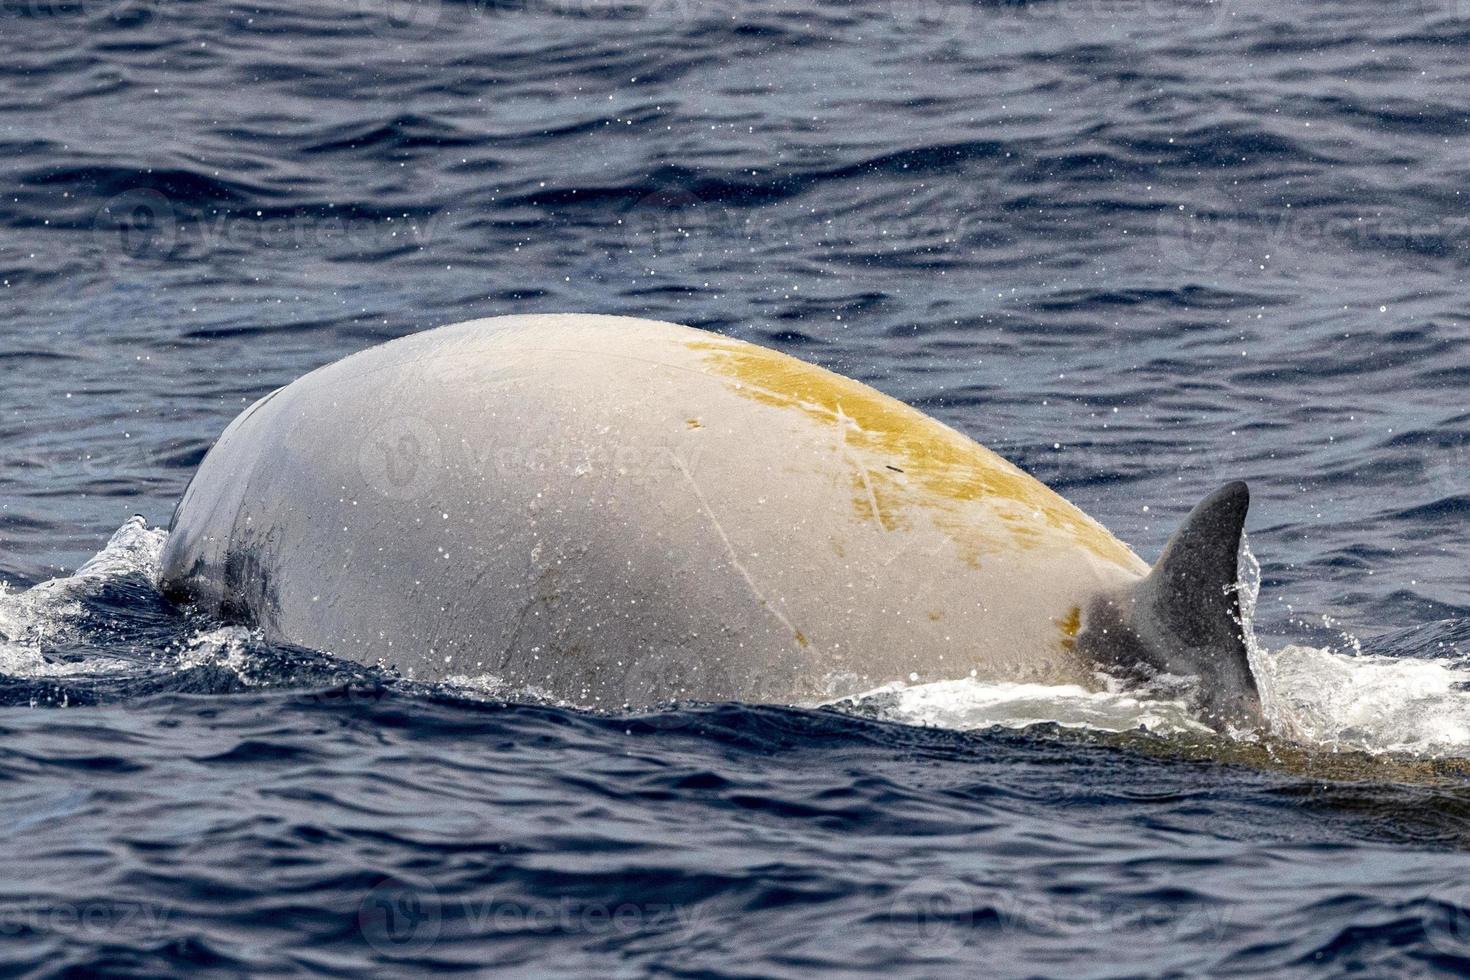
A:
{"points": [[1139, 247]]}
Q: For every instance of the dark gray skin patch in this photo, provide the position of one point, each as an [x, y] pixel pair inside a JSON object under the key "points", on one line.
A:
{"points": [[1184, 618]]}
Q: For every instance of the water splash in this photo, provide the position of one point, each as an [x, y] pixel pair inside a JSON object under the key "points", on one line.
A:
{"points": [[969, 705], [1248, 592], [109, 610], [55, 613], [108, 622], [1371, 703], [1355, 700]]}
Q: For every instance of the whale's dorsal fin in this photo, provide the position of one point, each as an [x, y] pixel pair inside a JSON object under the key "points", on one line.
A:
{"points": [[1192, 590], [1184, 617]]}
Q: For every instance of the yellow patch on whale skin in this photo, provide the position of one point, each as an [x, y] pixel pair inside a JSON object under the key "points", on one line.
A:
{"points": [[916, 461], [1070, 625], [872, 502]]}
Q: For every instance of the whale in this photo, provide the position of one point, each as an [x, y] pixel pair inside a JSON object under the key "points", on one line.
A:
{"points": [[617, 512]]}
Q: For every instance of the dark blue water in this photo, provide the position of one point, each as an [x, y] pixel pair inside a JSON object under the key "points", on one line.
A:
{"points": [[1140, 247]]}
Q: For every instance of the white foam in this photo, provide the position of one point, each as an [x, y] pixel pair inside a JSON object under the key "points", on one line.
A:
{"points": [[51, 612], [969, 704], [226, 646], [1355, 700], [1316, 697], [1369, 703]]}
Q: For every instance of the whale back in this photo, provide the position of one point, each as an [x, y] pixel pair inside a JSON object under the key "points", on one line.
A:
{"points": [[616, 511]]}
